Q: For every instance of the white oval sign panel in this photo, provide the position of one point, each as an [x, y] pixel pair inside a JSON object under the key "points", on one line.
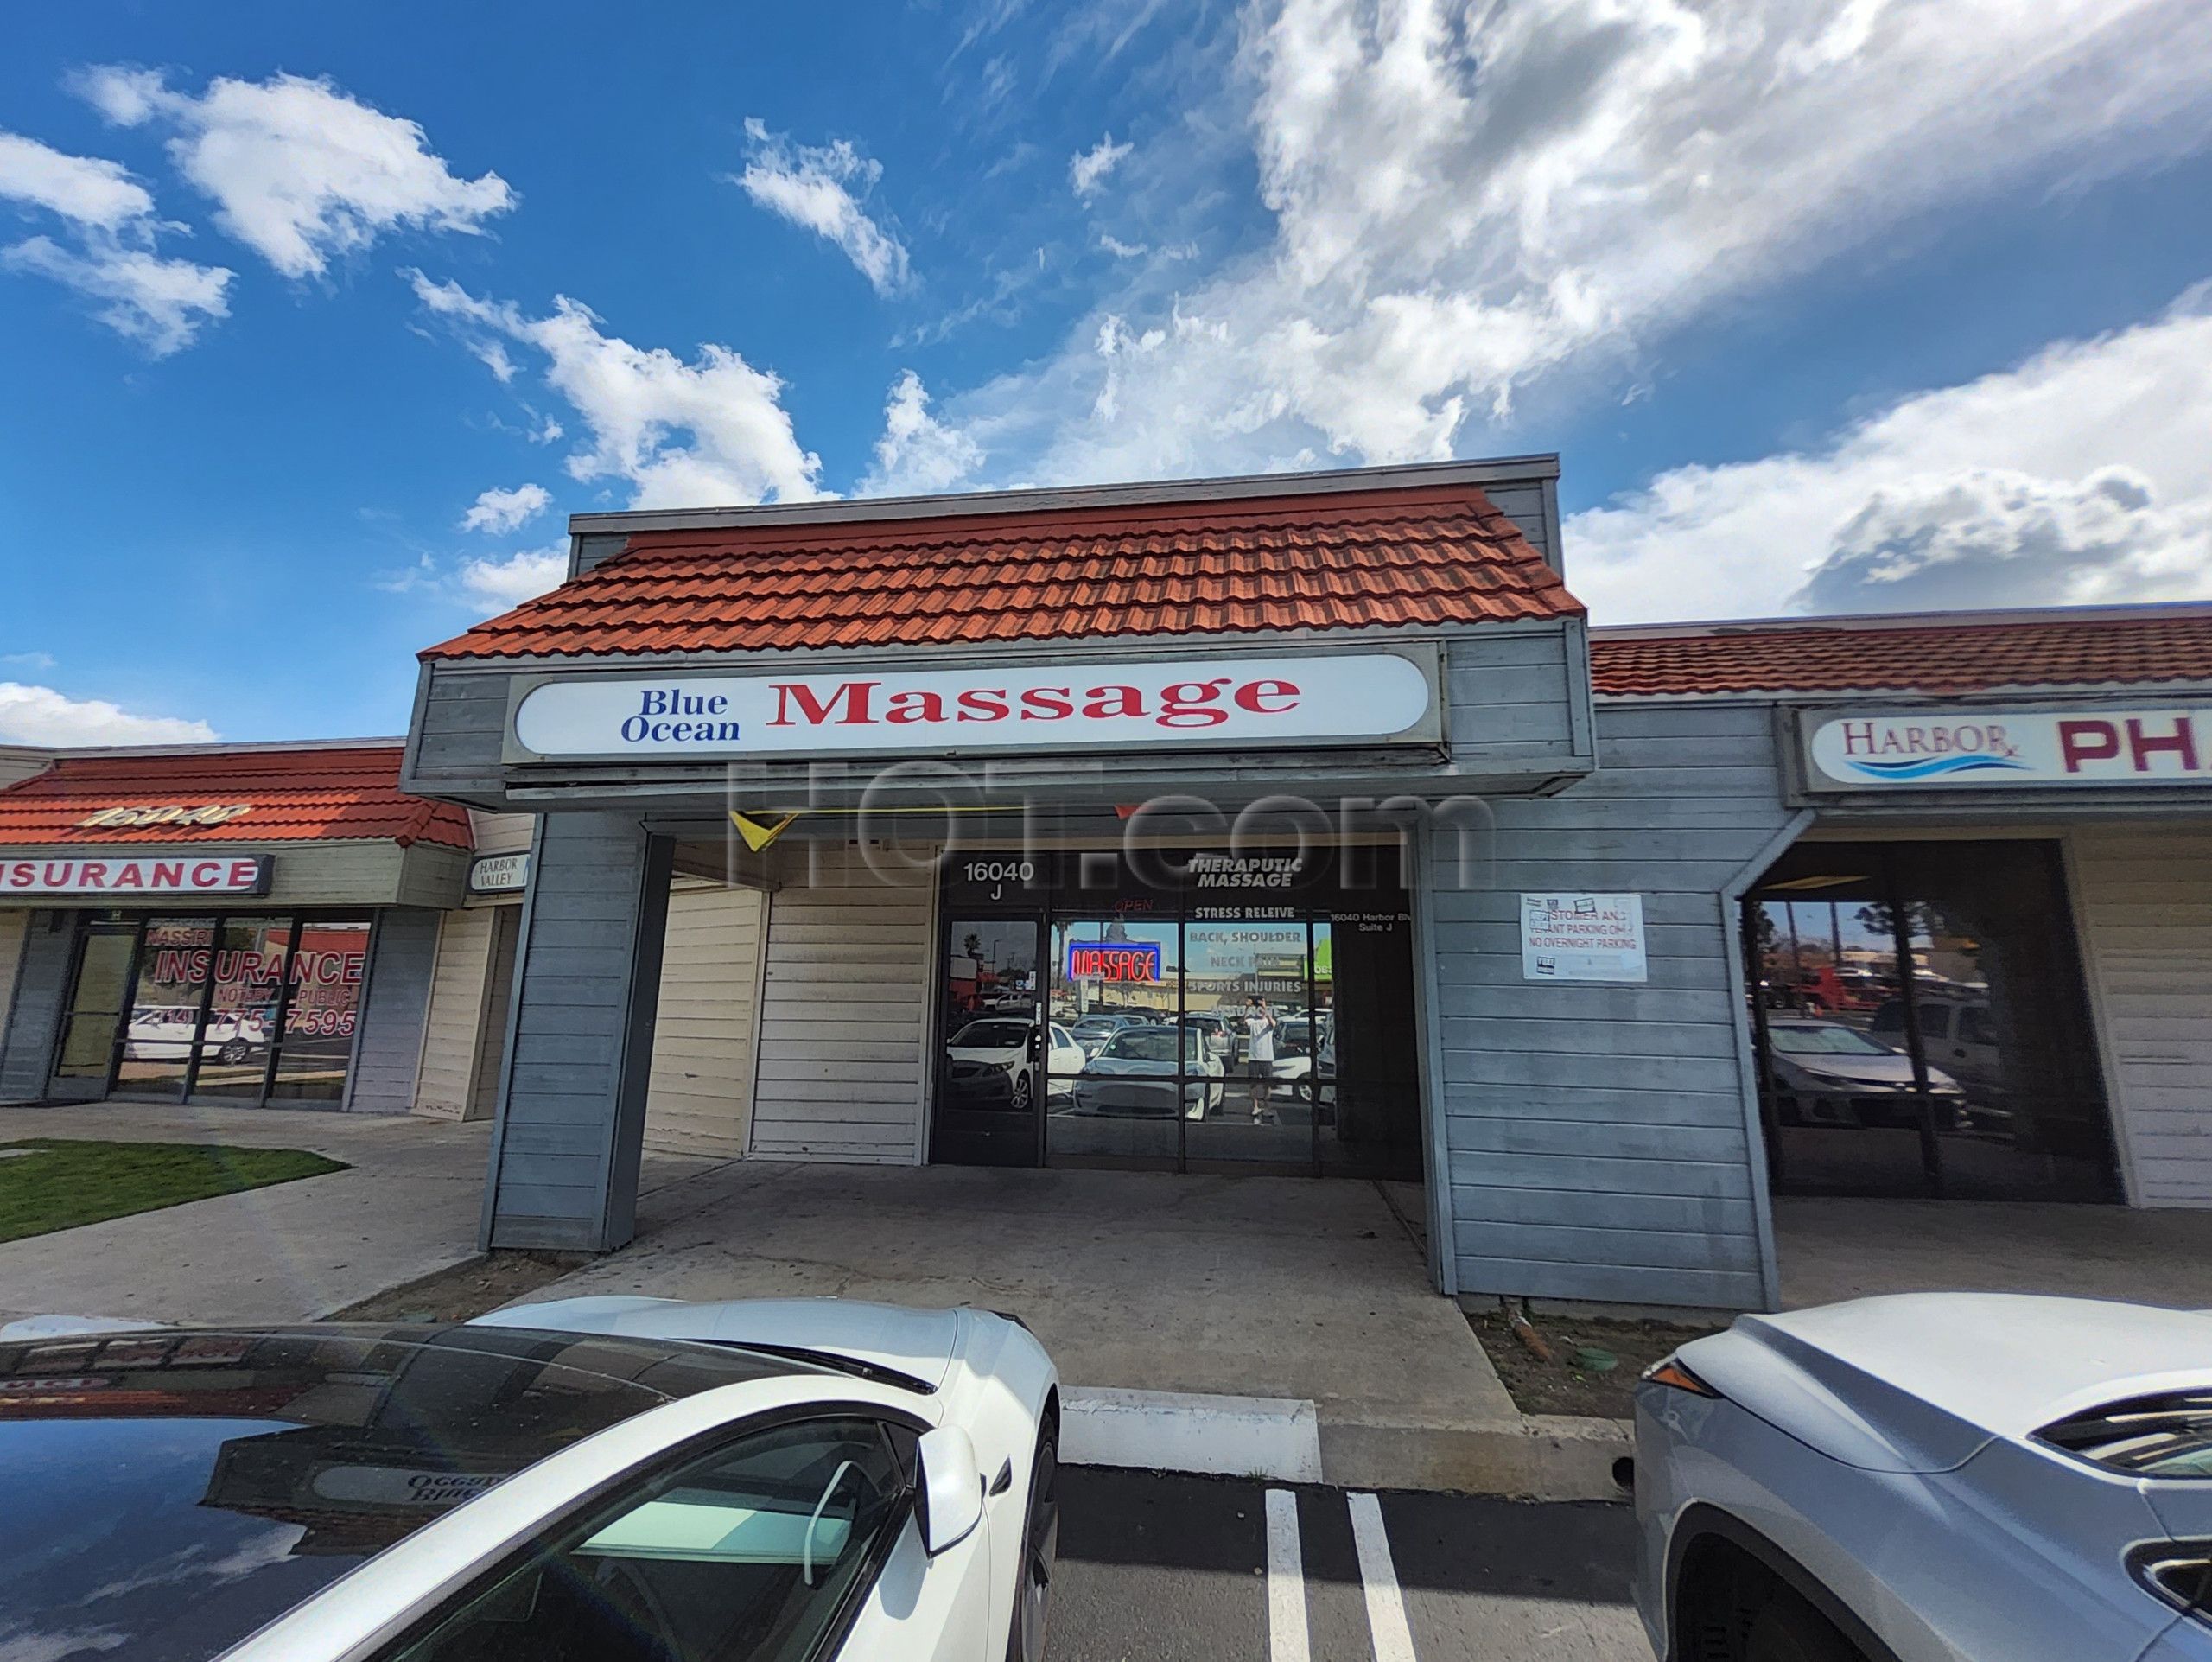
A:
{"points": [[1219, 703]]}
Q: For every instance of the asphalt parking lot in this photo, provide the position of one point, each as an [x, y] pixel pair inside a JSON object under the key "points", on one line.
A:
{"points": [[1163, 1567]]}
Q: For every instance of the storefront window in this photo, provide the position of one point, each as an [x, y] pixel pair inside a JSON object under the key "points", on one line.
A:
{"points": [[1921, 1024], [329, 967], [1192, 1013], [245, 1010], [173, 958], [1120, 1083], [240, 1008]]}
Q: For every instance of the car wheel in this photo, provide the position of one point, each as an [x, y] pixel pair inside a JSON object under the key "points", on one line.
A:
{"points": [[1023, 1092], [1040, 1546], [235, 1052]]}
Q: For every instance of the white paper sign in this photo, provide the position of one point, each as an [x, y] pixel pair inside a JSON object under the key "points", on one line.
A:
{"points": [[1582, 937]]}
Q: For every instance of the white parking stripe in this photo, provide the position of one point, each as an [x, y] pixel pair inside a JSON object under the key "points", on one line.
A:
{"points": [[1386, 1606], [1285, 1581]]}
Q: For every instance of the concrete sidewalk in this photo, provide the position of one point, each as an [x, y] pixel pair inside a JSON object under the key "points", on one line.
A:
{"points": [[407, 1208], [1191, 1289]]}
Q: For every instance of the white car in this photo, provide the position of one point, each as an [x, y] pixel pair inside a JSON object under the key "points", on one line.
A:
{"points": [[1935, 1477], [594, 1480], [1826, 1073], [1002, 1042], [1133, 1074], [163, 1034]]}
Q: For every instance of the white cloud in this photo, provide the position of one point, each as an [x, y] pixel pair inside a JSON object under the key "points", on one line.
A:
{"points": [[35, 715], [640, 403], [814, 187], [2081, 476], [515, 579], [1087, 170], [1469, 198], [300, 171], [162, 304], [30, 660], [497, 512], [918, 454], [87, 189]]}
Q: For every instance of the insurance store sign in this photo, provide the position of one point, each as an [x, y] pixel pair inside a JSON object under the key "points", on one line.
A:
{"points": [[1215, 702], [1996, 748]]}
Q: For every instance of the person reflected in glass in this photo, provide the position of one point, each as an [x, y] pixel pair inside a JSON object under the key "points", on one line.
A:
{"points": [[1260, 1057]]}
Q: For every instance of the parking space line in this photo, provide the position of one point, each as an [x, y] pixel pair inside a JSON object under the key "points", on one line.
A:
{"points": [[1386, 1606], [1285, 1581]]}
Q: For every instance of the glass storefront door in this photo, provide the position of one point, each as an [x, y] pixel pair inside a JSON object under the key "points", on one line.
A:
{"points": [[236, 1009], [1204, 1011], [1922, 1025], [98, 991], [993, 1065]]}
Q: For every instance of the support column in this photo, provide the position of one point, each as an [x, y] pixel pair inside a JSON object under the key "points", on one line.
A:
{"points": [[580, 1037]]}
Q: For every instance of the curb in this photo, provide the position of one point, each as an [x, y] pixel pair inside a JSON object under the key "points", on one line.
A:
{"points": [[1538, 1457]]}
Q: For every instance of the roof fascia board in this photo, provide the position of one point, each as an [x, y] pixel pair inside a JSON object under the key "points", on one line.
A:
{"points": [[1534, 468]]}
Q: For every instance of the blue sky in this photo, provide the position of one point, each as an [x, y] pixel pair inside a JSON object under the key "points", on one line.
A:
{"points": [[319, 320]]}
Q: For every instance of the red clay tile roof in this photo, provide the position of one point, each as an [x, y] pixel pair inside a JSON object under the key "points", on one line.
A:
{"points": [[1436, 555], [309, 794], [1936, 657]]}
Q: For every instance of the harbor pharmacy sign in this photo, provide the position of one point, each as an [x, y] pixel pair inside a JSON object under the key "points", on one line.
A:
{"points": [[1992, 747], [1219, 703]]}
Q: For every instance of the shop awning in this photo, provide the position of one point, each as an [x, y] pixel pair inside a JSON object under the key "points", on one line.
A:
{"points": [[1396, 558], [225, 795]]}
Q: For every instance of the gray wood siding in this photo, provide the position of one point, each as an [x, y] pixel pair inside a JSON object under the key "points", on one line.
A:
{"points": [[570, 1127], [33, 1013], [700, 1100], [1511, 703], [844, 1007], [1597, 1134], [390, 1047], [2144, 899], [501, 833]]}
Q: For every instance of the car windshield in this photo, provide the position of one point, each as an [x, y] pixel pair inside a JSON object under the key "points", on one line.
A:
{"points": [[1143, 1045], [171, 1492], [2166, 1436], [1823, 1038], [992, 1035]]}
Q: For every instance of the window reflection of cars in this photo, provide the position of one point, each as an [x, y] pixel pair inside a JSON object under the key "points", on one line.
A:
{"points": [[1093, 1031], [164, 1034], [1133, 1073], [1826, 1073], [1215, 1031], [1955, 1031], [991, 1066]]}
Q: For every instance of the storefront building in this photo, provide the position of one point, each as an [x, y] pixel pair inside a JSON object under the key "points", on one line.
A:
{"points": [[1300, 825], [246, 925]]}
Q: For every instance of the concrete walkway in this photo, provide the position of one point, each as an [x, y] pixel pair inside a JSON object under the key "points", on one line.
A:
{"points": [[407, 1207], [1832, 1249], [1297, 1291]]}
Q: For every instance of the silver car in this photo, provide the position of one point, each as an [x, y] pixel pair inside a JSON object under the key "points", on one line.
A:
{"points": [[1937, 1477]]}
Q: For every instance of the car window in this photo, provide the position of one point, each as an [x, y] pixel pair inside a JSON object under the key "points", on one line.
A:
{"points": [[1061, 1038], [1823, 1039], [992, 1035], [1973, 1025], [753, 1553], [1143, 1045]]}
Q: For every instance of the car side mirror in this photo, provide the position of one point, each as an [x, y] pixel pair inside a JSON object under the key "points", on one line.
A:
{"points": [[949, 1500]]}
